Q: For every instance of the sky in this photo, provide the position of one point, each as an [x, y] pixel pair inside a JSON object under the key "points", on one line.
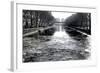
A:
{"points": [[61, 15]]}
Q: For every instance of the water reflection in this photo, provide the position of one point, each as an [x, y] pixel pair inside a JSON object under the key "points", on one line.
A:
{"points": [[59, 44], [60, 31]]}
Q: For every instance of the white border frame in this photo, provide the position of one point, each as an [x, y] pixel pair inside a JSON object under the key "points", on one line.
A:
{"points": [[16, 60]]}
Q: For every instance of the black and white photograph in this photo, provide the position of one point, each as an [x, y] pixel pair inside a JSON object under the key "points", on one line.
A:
{"points": [[55, 36], [46, 36]]}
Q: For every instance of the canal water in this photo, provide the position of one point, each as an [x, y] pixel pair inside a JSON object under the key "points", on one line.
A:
{"points": [[65, 44]]}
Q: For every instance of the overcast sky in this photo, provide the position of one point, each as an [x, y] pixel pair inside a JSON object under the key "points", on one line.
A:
{"points": [[61, 15]]}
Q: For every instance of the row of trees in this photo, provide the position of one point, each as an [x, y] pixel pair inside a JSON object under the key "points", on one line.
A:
{"points": [[81, 21], [34, 19]]}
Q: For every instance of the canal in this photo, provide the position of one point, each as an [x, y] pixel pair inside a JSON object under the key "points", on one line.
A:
{"points": [[64, 44]]}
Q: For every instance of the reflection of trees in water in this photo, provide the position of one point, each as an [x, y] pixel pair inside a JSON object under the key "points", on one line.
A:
{"points": [[48, 32]]}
